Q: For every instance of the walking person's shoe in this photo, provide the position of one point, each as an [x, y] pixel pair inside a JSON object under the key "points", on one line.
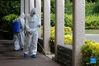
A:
{"points": [[17, 50], [33, 56], [21, 49], [25, 55]]}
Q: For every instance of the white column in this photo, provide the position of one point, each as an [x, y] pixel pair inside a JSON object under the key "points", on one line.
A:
{"points": [[22, 6], [31, 4], [59, 33], [78, 30], [26, 7], [38, 7], [46, 25]]}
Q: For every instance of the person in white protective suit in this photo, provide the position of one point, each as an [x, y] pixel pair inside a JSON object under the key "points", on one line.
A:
{"points": [[22, 35], [19, 37], [32, 26]]}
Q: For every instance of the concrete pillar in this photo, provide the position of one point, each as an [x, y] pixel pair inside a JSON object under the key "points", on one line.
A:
{"points": [[31, 4], [46, 25], [26, 7], [59, 33], [22, 6], [78, 30], [38, 7], [26, 2]]}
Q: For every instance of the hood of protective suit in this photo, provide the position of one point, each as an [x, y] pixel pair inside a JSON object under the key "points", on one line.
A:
{"points": [[22, 15], [33, 11]]}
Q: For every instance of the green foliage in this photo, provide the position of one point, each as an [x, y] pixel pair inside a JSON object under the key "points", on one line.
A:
{"points": [[68, 7], [53, 6], [67, 30], [68, 39], [6, 8], [52, 23], [10, 17], [90, 49], [7, 21], [89, 8], [52, 35], [67, 35], [92, 22], [68, 20], [91, 0], [96, 8]]}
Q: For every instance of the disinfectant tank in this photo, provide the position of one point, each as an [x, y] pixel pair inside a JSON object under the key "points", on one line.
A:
{"points": [[15, 26]]}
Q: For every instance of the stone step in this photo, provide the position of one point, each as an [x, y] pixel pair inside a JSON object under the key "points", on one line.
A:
{"points": [[7, 41]]}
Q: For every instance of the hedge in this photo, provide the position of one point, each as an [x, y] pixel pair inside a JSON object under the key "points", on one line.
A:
{"points": [[90, 50]]}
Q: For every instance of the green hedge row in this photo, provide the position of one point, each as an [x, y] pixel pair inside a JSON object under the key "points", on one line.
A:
{"points": [[90, 7], [91, 21], [67, 19], [67, 35], [7, 21]]}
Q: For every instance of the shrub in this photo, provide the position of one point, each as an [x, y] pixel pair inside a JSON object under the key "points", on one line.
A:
{"points": [[52, 6], [91, 0], [7, 21], [89, 8], [68, 39], [9, 6], [96, 8], [67, 30], [68, 7], [52, 35], [90, 49], [52, 23], [10, 17], [92, 22], [68, 20], [67, 35]]}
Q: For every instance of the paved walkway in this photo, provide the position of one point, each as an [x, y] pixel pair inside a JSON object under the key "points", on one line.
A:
{"points": [[8, 57], [94, 37]]}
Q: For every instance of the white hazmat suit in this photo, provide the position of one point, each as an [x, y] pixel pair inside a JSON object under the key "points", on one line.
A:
{"points": [[32, 33], [22, 35], [19, 37]]}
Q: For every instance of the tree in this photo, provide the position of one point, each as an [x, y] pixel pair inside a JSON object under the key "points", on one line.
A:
{"points": [[8, 7]]}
